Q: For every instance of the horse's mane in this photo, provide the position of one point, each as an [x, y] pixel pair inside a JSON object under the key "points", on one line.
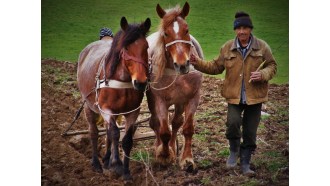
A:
{"points": [[121, 40], [159, 55]]}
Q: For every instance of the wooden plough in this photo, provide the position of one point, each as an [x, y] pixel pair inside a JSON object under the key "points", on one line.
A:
{"points": [[138, 136]]}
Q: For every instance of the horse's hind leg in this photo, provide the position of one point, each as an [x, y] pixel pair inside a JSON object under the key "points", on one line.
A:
{"points": [[92, 117]]}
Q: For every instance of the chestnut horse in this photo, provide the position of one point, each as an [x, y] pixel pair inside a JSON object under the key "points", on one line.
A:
{"points": [[174, 81], [124, 75]]}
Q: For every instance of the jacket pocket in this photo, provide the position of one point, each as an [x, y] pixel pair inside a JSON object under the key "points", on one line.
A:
{"points": [[257, 58], [230, 60], [261, 89]]}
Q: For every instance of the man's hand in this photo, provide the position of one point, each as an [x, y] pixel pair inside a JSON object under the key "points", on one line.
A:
{"points": [[193, 59], [255, 76]]}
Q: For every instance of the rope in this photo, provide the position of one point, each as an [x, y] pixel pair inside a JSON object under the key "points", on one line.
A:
{"points": [[176, 76], [111, 114]]}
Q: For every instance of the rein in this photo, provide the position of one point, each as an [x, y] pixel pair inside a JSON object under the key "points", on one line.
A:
{"points": [[127, 57]]}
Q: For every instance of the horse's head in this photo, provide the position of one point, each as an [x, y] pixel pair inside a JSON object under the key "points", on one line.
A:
{"points": [[131, 50], [176, 37]]}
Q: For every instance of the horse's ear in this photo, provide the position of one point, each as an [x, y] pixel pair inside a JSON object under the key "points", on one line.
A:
{"points": [[146, 25], [185, 10], [160, 11], [123, 23]]}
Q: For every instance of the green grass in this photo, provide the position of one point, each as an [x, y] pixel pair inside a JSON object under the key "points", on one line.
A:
{"points": [[205, 163], [141, 156], [68, 26], [224, 153]]}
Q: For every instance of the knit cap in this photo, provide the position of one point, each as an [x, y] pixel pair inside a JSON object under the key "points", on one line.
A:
{"points": [[105, 32], [242, 19]]}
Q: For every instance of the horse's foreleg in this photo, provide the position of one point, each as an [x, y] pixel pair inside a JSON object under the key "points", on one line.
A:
{"points": [[127, 144], [164, 154], [106, 158], [115, 161], [154, 125], [177, 122], [91, 117], [186, 158]]}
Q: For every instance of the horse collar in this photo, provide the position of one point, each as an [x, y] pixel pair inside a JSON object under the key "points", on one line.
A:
{"points": [[114, 84]]}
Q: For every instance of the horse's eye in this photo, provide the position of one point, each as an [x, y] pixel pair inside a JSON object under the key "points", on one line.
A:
{"points": [[187, 32], [165, 35]]}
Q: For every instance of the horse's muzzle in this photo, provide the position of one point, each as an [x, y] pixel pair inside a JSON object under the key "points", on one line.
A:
{"points": [[182, 69], [140, 85]]}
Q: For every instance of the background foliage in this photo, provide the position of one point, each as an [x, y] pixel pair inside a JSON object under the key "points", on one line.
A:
{"points": [[68, 26]]}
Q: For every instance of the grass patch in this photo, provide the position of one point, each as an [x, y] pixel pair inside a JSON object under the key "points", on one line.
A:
{"points": [[141, 156], [273, 154], [206, 180], [200, 137], [207, 116], [264, 117], [205, 163], [251, 182], [224, 153], [68, 26]]}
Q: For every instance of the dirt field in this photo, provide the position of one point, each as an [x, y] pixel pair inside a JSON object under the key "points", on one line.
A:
{"points": [[67, 160]]}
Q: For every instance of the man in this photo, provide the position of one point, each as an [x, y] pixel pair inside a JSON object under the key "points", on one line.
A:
{"points": [[245, 87], [106, 34]]}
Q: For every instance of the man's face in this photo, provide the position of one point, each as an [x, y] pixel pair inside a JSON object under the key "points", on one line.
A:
{"points": [[243, 33]]}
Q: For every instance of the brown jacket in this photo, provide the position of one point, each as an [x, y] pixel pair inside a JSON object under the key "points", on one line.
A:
{"points": [[237, 69]]}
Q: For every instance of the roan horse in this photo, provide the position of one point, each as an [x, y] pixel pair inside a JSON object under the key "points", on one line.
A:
{"points": [[173, 82], [124, 73]]}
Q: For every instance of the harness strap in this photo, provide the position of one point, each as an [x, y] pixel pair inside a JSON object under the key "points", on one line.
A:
{"points": [[178, 41], [126, 57]]}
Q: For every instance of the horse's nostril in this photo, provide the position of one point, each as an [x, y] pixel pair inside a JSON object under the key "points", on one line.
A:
{"points": [[140, 85], [176, 65]]}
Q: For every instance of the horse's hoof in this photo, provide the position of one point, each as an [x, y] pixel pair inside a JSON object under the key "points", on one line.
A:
{"points": [[127, 178], [190, 168], [97, 166], [165, 158], [119, 170], [98, 170], [106, 165], [188, 165]]}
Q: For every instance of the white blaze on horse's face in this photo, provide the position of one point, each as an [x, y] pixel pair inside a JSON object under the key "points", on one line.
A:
{"points": [[176, 28]]}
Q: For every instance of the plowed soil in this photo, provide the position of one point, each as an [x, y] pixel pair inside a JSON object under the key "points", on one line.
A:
{"points": [[66, 160]]}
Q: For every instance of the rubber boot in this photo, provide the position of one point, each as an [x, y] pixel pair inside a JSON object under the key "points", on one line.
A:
{"points": [[245, 157], [234, 152]]}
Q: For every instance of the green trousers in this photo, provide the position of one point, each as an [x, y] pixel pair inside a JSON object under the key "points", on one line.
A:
{"points": [[246, 117]]}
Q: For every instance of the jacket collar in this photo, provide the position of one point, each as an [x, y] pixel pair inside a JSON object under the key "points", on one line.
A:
{"points": [[254, 44]]}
